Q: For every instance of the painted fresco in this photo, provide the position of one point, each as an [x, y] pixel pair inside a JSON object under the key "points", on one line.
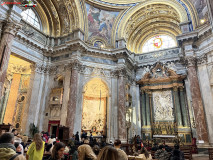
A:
{"points": [[98, 44], [201, 6], [100, 22]]}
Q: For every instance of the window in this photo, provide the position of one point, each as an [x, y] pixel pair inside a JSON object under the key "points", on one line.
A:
{"points": [[30, 16], [158, 43]]}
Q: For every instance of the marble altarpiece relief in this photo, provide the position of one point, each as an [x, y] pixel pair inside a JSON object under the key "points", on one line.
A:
{"points": [[163, 106], [95, 106]]}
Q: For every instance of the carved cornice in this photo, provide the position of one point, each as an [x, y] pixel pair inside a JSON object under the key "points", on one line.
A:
{"points": [[43, 68], [12, 27]]}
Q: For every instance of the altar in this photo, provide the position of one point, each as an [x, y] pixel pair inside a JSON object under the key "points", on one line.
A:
{"points": [[165, 139]]}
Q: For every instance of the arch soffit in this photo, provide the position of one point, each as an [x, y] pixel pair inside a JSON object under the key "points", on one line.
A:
{"points": [[46, 18], [130, 12]]}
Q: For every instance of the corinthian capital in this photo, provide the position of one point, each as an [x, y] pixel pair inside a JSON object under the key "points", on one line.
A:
{"points": [[191, 61], [202, 60], [12, 27], [122, 72], [76, 64]]}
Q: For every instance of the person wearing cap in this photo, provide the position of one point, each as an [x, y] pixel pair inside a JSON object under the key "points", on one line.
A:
{"points": [[85, 151]]}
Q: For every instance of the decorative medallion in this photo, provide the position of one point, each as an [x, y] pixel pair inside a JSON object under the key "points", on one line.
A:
{"points": [[157, 42]]}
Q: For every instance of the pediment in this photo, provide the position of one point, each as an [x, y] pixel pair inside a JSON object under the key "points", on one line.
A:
{"points": [[159, 74]]}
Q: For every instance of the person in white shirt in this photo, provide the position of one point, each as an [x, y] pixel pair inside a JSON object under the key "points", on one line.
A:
{"points": [[52, 139]]}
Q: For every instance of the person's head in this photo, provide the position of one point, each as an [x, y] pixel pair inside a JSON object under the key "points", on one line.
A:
{"points": [[96, 149], [108, 153], [162, 147], [117, 143], [176, 146], [48, 147], [18, 147], [38, 141], [144, 151], [52, 136], [24, 139], [86, 141], [58, 150], [7, 138], [14, 131]]}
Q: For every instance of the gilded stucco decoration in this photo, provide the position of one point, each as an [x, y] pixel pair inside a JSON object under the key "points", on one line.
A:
{"points": [[152, 17], [60, 17], [149, 21]]}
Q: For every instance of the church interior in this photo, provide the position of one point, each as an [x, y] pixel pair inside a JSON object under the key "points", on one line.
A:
{"points": [[111, 68]]}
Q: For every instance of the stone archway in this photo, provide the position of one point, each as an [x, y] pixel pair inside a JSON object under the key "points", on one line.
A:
{"points": [[95, 102]]}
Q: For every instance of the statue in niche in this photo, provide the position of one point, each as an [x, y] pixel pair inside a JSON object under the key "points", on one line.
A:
{"points": [[55, 112]]}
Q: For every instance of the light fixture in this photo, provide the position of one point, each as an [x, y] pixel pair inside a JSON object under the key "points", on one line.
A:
{"points": [[202, 21], [102, 46]]}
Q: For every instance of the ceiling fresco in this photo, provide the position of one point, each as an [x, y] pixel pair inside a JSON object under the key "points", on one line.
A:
{"points": [[100, 22], [105, 21]]}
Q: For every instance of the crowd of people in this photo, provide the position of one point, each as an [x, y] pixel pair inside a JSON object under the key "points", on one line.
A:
{"points": [[45, 147]]}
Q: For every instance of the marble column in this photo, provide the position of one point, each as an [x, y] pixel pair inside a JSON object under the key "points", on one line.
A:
{"points": [[138, 110], [10, 30], [71, 107], [143, 105], [177, 107], [114, 105], [44, 100], [197, 102], [34, 103], [65, 96], [183, 108], [206, 94], [148, 115], [122, 131]]}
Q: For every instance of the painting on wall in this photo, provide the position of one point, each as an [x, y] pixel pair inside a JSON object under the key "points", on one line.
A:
{"points": [[163, 106], [100, 22], [201, 6]]}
